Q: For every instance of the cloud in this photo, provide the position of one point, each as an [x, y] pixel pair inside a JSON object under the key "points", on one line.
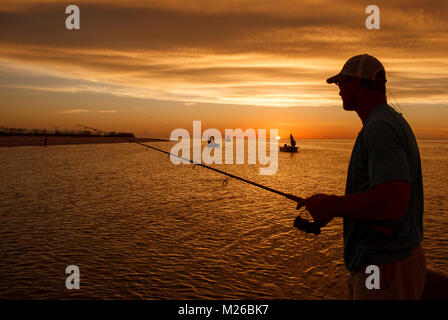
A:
{"points": [[234, 52], [72, 111], [240, 79], [286, 27]]}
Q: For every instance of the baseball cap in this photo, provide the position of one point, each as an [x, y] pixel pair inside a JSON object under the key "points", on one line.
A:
{"points": [[362, 66]]}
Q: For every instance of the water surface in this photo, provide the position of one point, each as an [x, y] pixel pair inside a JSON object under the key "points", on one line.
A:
{"points": [[138, 226]]}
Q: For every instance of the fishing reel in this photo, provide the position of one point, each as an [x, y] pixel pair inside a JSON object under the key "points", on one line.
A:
{"points": [[307, 226]]}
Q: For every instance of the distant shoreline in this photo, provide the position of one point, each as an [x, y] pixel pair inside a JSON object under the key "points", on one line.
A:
{"points": [[39, 141]]}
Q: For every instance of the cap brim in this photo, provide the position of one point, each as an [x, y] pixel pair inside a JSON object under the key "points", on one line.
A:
{"points": [[335, 78]]}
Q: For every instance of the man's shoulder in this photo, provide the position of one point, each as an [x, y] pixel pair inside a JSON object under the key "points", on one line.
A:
{"points": [[384, 127], [383, 118]]}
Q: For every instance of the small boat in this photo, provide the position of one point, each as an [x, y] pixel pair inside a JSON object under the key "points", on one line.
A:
{"points": [[287, 148], [212, 145], [292, 147]]}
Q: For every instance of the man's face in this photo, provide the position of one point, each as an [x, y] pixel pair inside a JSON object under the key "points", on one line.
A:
{"points": [[348, 90]]}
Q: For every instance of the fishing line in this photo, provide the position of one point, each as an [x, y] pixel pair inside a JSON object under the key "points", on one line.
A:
{"points": [[401, 110]]}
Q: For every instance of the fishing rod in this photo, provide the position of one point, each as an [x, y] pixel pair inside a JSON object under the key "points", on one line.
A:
{"points": [[299, 222]]}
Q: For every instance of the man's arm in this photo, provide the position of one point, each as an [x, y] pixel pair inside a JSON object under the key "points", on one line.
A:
{"points": [[386, 201]]}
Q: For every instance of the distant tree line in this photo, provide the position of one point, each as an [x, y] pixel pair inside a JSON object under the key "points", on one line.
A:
{"points": [[65, 133]]}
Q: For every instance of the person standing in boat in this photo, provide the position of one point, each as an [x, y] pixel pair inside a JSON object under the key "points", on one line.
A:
{"points": [[293, 142], [382, 208]]}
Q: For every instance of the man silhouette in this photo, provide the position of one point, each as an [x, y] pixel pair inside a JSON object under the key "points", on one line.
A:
{"points": [[382, 208]]}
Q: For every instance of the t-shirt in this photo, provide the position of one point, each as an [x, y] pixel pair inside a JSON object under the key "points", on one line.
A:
{"points": [[385, 150]]}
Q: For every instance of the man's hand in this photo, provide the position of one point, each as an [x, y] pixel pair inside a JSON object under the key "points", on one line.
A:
{"points": [[320, 206]]}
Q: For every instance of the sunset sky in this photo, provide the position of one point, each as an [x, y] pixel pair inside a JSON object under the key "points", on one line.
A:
{"points": [[152, 66]]}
